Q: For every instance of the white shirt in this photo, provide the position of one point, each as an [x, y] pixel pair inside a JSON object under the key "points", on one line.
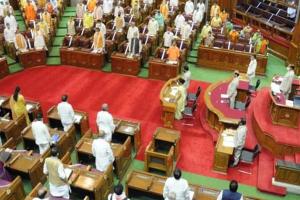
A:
{"points": [[291, 12], [102, 28], [174, 3], [107, 6], [179, 20], [178, 187], [251, 68], [131, 31], [287, 81], [39, 40], [105, 123], [168, 38], [9, 35], [11, 20], [1, 10], [119, 9], [98, 13], [189, 8], [114, 196], [153, 27], [240, 136], [232, 87], [187, 77], [65, 112], [40, 133], [58, 191], [201, 6], [185, 31], [198, 16], [103, 154], [148, 1]]}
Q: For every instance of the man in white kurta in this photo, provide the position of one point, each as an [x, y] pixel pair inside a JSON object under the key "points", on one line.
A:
{"points": [[102, 152], [39, 39], [287, 81], [119, 9], [232, 89], [189, 7], [168, 37], [198, 15], [102, 27], [173, 3], [66, 113], [9, 35], [11, 20], [107, 6], [105, 122], [130, 33], [153, 27], [80, 10], [239, 141], [98, 12], [58, 184], [186, 76], [201, 6], [176, 188], [41, 133], [251, 69], [185, 31], [179, 20]]}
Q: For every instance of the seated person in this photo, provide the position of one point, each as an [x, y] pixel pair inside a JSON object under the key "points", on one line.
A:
{"points": [[209, 40], [160, 19], [231, 193], [257, 35], [135, 45], [119, 22], [234, 36], [261, 45], [20, 42], [98, 42], [164, 9], [168, 37], [39, 39], [173, 54], [205, 30], [153, 27], [216, 22], [227, 27]]}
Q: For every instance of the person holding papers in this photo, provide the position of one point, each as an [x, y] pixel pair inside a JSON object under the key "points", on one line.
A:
{"points": [[176, 188], [232, 89], [18, 105], [239, 141], [102, 152], [57, 176], [287, 81], [66, 113], [105, 122], [41, 133]]}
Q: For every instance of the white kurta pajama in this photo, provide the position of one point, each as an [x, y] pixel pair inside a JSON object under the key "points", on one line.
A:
{"points": [[106, 124], [39, 41], [232, 91], [179, 20], [168, 38], [286, 84], [66, 114], [11, 20], [119, 9], [185, 31], [153, 27], [107, 6], [103, 154], [189, 8], [198, 16], [187, 77], [98, 13], [251, 71], [176, 188], [9, 35], [239, 142], [41, 135]]}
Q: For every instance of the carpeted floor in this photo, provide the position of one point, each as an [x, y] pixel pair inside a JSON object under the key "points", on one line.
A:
{"points": [[129, 98]]}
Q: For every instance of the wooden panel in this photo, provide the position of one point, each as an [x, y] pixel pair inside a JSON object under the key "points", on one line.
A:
{"points": [[123, 65], [13, 191], [160, 70], [32, 58], [3, 68], [287, 172], [229, 60]]}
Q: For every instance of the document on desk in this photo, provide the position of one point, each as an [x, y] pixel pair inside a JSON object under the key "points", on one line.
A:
{"points": [[228, 141], [68, 172], [129, 129], [29, 106], [77, 118], [174, 91], [289, 103]]}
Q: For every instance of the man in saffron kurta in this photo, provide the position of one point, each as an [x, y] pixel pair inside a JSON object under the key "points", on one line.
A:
{"points": [[234, 36], [164, 9], [98, 41], [30, 12], [173, 53], [224, 16], [91, 5]]}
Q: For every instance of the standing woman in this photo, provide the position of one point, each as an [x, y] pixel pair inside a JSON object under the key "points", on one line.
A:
{"points": [[18, 105]]}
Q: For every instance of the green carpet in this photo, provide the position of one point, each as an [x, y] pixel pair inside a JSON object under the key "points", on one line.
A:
{"points": [[58, 41], [54, 52]]}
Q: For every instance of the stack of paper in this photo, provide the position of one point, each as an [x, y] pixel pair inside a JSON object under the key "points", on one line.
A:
{"points": [[68, 172], [289, 103], [174, 91], [29, 107], [224, 96], [77, 118], [228, 141]]}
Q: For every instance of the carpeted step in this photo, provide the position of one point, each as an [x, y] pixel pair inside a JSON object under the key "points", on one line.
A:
{"points": [[53, 61], [70, 9], [16, 67], [192, 60], [193, 54], [61, 32], [58, 41], [143, 73], [265, 174], [69, 14], [63, 22], [9, 60], [17, 13], [107, 67], [54, 52]]}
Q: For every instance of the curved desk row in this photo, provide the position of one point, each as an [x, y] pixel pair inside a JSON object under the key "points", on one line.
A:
{"points": [[3, 68]]}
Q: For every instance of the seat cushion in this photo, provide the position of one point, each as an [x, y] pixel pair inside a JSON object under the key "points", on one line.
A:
{"points": [[191, 97], [247, 156]]}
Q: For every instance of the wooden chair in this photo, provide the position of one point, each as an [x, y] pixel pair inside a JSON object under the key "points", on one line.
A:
{"points": [[13, 190], [66, 159]]}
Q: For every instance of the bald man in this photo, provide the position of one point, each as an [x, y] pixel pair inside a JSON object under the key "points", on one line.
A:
{"points": [[105, 122]]}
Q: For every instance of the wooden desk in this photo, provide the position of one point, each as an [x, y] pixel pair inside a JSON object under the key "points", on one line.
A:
{"points": [[3, 68], [13, 190], [54, 120], [122, 153], [287, 172], [81, 58], [222, 155], [282, 114], [33, 107], [140, 184], [159, 69], [231, 60], [12, 129], [90, 182], [65, 143], [126, 129], [32, 58], [168, 102], [123, 65], [28, 165]]}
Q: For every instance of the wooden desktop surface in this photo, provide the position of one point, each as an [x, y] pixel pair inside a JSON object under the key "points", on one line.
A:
{"points": [[159, 69], [32, 58], [3, 68], [120, 63]]}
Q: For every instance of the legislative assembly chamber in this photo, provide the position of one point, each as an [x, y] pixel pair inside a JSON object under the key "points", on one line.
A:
{"points": [[149, 99]]}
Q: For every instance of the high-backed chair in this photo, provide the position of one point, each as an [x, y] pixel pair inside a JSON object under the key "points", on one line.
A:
{"points": [[239, 47], [248, 156]]}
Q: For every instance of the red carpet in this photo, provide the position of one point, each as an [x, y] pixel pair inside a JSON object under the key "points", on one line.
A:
{"points": [[129, 98]]}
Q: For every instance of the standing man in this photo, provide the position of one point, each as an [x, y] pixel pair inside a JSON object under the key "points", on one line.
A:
{"points": [[214, 10], [118, 194], [107, 7], [105, 122], [239, 141], [209, 40], [232, 193], [168, 37], [9, 38], [189, 7], [185, 31], [182, 100], [176, 188], [20, 42], [187, 76], [179, 20], [216, 21], [153, 27], [58, 183], [41, 133], [66, 113], [98, 42], [287, 81], [11, 20], [251, 69], [135, 45], [131, 30], [205, 30], [173, 53], [102, 152], [232, 89]]}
